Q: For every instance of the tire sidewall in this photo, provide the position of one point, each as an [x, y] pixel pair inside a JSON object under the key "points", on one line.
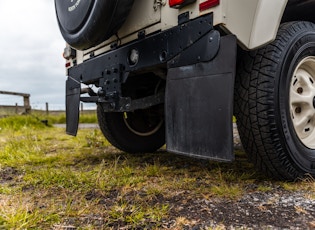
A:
{"points": [[101, 22], [303, 45], [130, 136], [113, 126]]}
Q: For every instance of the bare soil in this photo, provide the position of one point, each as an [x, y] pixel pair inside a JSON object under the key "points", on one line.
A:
{"points": [[275, 209]]}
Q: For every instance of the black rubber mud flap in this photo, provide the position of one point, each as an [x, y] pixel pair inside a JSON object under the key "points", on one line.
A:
{"points": [[199, 106], [73, 89]]}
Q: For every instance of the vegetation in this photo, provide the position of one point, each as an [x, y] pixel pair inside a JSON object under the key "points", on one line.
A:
{"points": [[49, 180], [59, 117]]}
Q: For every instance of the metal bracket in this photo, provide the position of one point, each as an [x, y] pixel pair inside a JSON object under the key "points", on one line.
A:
{"points": [[126, 104], [111, 80], [158, 3], [111, 85]]}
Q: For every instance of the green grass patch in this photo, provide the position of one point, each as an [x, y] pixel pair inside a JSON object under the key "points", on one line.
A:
{"points": [[20, 123], [60, 117], [51, 179]]}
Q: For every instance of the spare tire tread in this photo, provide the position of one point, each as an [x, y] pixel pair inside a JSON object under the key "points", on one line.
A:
{"points": [[91, 27]]}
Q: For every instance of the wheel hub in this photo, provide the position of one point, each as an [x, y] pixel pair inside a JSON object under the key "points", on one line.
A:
{"points": [[302, 101]]}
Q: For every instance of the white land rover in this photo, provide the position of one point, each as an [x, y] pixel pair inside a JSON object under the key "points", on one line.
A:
{"points": [[176, 71]]}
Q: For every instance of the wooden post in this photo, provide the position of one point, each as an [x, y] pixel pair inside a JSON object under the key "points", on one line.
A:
{"points": [[47, 108], [81, 107], [27, 106], [16, 108]]}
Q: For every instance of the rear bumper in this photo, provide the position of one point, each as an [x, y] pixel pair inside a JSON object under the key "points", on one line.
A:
{"points": [[199, 86], [112, 69]]}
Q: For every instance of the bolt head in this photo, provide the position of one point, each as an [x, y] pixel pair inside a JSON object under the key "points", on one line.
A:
{"points": [[300, 90], [298, 109]]}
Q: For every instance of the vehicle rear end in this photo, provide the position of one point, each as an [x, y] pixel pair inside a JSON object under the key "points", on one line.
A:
{"points": [[165, 72], [140, 18], [154, 70]]}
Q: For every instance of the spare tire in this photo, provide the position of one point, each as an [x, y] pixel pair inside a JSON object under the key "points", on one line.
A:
{"points": [[84, 24]]}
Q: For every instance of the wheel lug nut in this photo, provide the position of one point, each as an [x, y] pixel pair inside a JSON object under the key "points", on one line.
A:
{"points": [[300, 90], [298, 110]]}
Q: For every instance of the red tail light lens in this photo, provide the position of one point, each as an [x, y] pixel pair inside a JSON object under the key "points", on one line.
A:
{"points": [[208, 4], [174, 3], [179, 3]]}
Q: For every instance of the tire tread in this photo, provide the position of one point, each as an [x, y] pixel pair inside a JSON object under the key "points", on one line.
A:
{"points": [[254, 105]]}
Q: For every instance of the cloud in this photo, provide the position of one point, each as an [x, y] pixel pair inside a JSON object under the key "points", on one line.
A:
{"points": [[31, 51]]}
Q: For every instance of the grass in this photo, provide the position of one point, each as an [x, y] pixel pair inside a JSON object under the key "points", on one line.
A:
{"points": [[59, 117], [88, 117], [50, 180]]}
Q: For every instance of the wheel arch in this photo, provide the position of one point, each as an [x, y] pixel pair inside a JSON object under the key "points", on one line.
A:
{"points": [[265, 18], [254, 22], [299, 10]]}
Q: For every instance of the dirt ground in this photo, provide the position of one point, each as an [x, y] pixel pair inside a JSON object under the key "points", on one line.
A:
{"points": [[276, 208]]}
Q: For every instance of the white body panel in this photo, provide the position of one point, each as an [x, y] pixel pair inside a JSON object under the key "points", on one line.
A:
{"points": [[254, 22]]}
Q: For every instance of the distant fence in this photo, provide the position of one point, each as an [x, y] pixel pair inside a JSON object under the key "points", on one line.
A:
{"points": [[83, 110], [26, 108]]}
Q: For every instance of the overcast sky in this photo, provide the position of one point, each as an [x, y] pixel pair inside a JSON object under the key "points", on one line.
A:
{"points": [[31, 53]]}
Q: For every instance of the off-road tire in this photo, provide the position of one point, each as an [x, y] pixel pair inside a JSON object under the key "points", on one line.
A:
{"points": [[262, 103], [84, 24], [133, 137]]}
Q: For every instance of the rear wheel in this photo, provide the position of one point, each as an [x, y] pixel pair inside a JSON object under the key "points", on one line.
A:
{"points": [[302, 101], [275, 103], [134, 132]]}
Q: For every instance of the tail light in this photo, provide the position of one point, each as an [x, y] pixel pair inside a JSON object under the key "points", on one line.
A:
{"points": [[208, 4], [69, 52], [180, 3], [68, 64]]}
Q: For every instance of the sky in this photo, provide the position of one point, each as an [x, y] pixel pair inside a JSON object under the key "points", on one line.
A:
{"points": [[31, 49]]}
